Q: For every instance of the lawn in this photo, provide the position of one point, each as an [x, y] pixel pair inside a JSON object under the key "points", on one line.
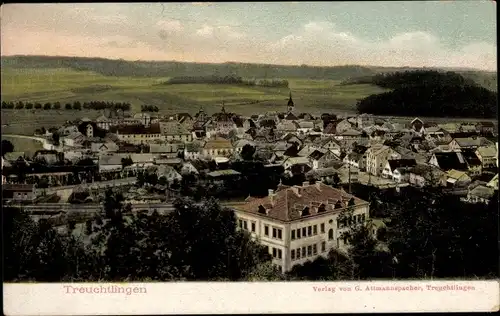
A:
{"points": [[67, 85]]}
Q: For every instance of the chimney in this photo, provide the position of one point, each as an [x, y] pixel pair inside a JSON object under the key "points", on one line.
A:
{"points": [[271, 196]]}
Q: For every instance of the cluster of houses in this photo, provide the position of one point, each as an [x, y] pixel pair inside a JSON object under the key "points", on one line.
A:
{"points": [[326, 148], [297, 223]]}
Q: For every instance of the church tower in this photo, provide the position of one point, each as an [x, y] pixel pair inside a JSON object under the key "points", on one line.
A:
{"points": [[290, 104]]}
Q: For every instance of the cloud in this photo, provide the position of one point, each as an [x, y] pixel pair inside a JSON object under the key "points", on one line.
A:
{"points": [[205, 31], [321, 43], [170, 26], [113, 32]]}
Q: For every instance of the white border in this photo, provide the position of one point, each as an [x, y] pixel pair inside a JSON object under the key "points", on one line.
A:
{"points": [[238, 297]]}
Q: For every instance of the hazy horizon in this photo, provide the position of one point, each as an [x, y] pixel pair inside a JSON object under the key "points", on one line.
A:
{"points": [[250, 63], [440, 34]]}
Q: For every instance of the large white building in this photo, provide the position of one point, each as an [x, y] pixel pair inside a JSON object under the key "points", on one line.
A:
{"points": [[299, 223]]}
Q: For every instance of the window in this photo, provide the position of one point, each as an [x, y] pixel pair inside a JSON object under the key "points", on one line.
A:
{"points": [[309, 231], [304, 231], [323, 246], [293, 254], [305, 211], [262, 209], [315, 229], [309, 251], [298, 233], [298, 253], [293, 234], [303, 251], [362, 217], [274, 252], [279, 253], [321, 208], [322, 228], [253, 226], [266, 230], [315, 249], [240, 223], [330, 234], [245, 225], [274, 232], [279, 234]]}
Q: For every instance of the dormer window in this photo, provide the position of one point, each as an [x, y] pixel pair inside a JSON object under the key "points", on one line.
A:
{"points": [[338, 204], [305, 211], [351, 202], [262, 209], [321, 208]]}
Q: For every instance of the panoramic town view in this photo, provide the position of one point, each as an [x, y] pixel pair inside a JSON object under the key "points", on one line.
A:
{"points": [[274, 141]]}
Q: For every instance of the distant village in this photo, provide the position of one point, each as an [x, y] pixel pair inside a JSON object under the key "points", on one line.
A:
{"points": [[315, 160]]}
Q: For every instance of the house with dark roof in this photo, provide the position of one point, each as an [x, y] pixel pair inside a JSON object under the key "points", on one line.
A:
{"points": [[300, 223], [448, 160], [474, 164], [396, 169]]}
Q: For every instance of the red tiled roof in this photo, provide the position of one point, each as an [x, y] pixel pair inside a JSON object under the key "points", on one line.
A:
{"points": [[286, 204]]}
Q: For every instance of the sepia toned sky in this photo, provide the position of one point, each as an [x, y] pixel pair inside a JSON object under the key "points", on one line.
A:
{"points": [[399, 33]]}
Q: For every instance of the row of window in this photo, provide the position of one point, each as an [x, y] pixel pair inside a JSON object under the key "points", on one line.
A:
{"points": [[307, 251], [277, 233], [243, 224], [142, 135], [307, 231], [360, 218]]}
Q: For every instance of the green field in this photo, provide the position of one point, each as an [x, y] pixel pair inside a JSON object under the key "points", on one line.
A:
{"points": [[28, 146], [67, 85]]}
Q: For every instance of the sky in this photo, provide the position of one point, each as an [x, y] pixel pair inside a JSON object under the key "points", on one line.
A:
{"points": [[399, 33]]}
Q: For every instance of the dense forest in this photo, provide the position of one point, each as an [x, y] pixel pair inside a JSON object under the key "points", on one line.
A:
{"points": [[428, 93], [427, 235]]}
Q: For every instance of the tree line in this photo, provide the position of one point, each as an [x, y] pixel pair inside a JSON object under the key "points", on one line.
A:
{"points": [[429, 93], [149, 108], [214, 79], [76, 105]]}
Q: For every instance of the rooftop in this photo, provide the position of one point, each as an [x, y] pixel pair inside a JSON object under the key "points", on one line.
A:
{"points": [[288, 203]]}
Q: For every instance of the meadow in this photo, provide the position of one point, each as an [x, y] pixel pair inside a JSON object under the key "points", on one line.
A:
{"points": [[68, 85], [27, 146]]}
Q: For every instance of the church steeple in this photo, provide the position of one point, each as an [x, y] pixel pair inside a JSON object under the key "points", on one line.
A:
{"points": [[290, 103], [223, 109]]}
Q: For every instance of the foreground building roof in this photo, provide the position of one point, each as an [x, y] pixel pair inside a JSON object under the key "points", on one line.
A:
{"points": [[289, 203]]}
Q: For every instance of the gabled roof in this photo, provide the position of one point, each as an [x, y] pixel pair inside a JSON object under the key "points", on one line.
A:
{"points": [[482, 191], [401, 163], [351, 132], [471, 157], [218, 144], [487, 151], [330, 128], [451, 160], [317, 154]]}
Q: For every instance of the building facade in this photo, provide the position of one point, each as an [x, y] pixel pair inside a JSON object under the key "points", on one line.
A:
{"points": [[300, 223]]}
